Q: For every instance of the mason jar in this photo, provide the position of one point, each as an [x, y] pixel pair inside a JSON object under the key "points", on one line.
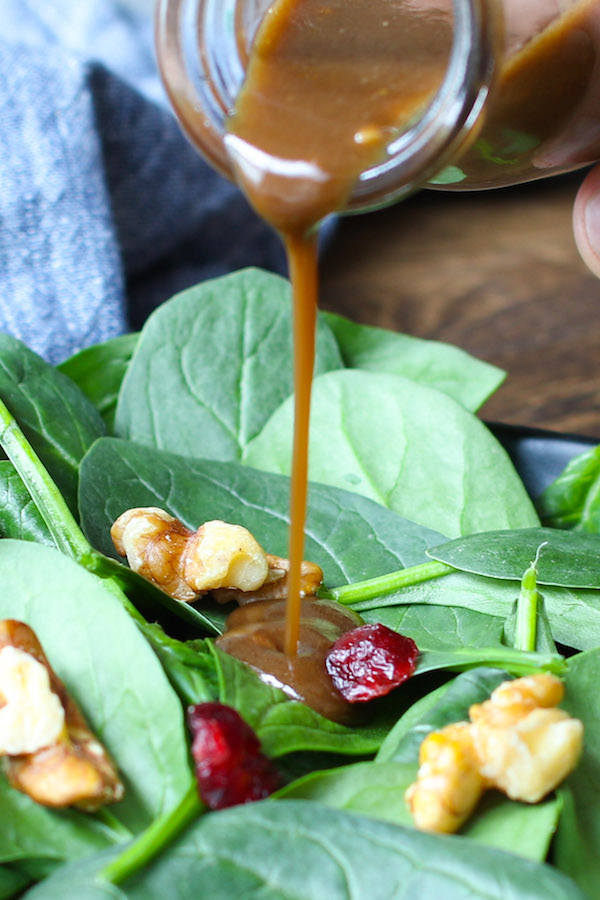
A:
{"points": [[517, 97]]}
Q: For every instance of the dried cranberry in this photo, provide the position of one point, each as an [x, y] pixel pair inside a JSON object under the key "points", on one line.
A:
{"points": [[370, 661], [230, 767]]}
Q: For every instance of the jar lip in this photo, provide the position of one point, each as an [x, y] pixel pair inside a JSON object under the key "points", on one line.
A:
{"points": [[451, 117], [201, 84], [202, 60]]}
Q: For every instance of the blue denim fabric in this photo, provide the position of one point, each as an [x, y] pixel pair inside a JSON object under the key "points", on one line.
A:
{"points": [[105, 209]]}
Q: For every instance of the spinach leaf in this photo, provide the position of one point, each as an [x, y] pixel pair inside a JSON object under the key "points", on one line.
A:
{"points": [[566, 559], [78, 881], [521, 828], [292, 848], [190, 665], [577, 847], [29, 830], [440, 627], [19, 517], [377, 789], [108, 667], [526, 830], [12, 882], [350, 537], [406, 446], [517, 662], [56, 417], [211, 366], [287, 726], [574, 614], [450, 704], [154, 603], [99, 371], [572, 500], [434, 364]]}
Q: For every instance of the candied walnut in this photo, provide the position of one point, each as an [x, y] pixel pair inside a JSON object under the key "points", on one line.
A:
{"points": [[526, 746], [187, 564], [155, 545], [517, 741], [50, 752], [449, 783], [221, 558], [32, 716], [513, 699], [275, 586]]}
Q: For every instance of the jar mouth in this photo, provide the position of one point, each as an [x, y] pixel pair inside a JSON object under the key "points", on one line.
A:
{"points": [[203, 47], [450, 119]]}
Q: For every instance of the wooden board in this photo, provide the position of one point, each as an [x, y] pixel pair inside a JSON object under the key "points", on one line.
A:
{"points": [[496, 273]]}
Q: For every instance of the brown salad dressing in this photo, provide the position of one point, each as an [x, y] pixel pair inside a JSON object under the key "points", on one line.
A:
{"points": [[544, 109], [255, 634], [296, 167], [328, 85]]}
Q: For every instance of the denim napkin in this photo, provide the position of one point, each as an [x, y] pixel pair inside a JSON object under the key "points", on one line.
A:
{"points": [[105, 209]]}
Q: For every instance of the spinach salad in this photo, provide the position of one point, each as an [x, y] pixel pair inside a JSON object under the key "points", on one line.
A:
{"points": [[418, 520]]}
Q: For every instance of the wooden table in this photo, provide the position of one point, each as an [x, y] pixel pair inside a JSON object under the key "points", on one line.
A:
{"points": [[495, 273]]}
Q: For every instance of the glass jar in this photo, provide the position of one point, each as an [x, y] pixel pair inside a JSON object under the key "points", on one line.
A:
{"points": [[518, 97]]}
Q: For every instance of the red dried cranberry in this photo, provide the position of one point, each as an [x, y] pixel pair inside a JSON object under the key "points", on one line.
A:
{"points": [[230, 767], [370, 661]]}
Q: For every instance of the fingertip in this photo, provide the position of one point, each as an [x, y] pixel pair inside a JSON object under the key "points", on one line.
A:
{"points": [[586, 221]]}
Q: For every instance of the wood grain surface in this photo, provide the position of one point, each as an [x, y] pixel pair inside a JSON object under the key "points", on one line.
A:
{"points": [[495, 273]]}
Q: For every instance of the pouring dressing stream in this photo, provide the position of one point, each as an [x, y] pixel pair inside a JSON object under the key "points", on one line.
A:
{"points": [[296, 167], [316, 107]]}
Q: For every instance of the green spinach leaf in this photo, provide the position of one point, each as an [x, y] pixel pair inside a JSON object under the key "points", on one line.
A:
{"points": [[573, 499], [19, 516], [292, 848], [12, 882], [573, 614], [408, 447], [440, 627], [432, 363], [29, 830], [450, 704], [110, 670], [56, 417], [99, 371], [211, 366], [350, 537], [577, 847], [377, 789], [566, 559]]}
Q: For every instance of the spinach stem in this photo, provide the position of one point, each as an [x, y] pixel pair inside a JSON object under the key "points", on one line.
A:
{"points": [[386, 584], [65, 531], [156, 837], [115, 825], [512, 659], [527, 607]]}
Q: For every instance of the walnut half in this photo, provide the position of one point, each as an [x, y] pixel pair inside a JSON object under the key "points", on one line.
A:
{"points": [[518, 741], [224, 559], [275, 586], [49, 751]]}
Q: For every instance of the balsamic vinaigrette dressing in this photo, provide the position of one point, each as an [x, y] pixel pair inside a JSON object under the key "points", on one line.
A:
{"points": [[302, 132], [328, 86]]}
